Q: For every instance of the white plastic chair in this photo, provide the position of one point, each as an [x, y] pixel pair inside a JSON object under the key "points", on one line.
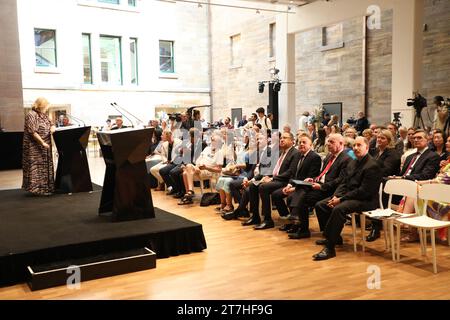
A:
{"points": [[392, 187], [211, 178], [433, 192]]}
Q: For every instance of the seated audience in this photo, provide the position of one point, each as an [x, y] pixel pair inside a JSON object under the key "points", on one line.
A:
{"points": [[308, 167], [388, 160], [324, 184], [358, 191], [208, 165], [167, 153], [438, 145], [284, 169]]}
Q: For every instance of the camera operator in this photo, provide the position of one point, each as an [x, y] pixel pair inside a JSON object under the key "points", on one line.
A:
{"points": [[441, 114], [174, 126], [361, 123]]}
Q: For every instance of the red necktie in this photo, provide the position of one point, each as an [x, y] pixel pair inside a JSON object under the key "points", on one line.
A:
{"points": [[278, 166], [411, 163], [330, 163]]}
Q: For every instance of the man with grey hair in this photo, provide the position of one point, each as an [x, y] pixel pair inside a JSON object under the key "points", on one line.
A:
{"points": [[323, 186], [357, 191]]}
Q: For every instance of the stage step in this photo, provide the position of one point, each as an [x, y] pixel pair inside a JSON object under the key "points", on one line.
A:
{"points": [[72, 272]]}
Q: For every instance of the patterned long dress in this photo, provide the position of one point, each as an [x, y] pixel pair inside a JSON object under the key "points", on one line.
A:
{"points": [[37, 161]]}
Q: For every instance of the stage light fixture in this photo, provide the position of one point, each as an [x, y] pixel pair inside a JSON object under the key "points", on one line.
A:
{"points": [[274, 71], [261, 87]]}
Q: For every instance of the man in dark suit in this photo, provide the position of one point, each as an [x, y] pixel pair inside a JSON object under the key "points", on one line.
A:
{"points": [[284, 169], [243, 121], [358, 191], [308, 166], [422, 165], [324, 184]]}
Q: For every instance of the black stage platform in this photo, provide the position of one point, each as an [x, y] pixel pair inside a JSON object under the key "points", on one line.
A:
{"points": [[38, 230]]}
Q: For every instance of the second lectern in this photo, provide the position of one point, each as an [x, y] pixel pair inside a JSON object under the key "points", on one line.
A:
{"points": [[126, 192], [72, 174]]}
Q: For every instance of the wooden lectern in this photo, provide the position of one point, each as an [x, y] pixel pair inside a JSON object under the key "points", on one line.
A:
{"points": [[72, 174], [126, 191]]}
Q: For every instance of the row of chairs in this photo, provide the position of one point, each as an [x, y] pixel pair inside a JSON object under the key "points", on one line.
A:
{"points": [[419, 220]]}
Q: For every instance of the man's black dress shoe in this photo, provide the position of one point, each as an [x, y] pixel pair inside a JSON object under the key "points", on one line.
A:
{"points": [[285, 227], [373, 235], [265, 225], [251, 221], [229, 216], [299, 235], [293, 229], [241, 213], [324, 242], [178, 195], [325, 254]]}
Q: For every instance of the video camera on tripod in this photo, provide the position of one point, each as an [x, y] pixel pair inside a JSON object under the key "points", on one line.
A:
{"points": [[175, 116], [418, 103]]}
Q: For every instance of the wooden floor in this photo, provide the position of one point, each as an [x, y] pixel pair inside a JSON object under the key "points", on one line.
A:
{"points": [[241, 263]]}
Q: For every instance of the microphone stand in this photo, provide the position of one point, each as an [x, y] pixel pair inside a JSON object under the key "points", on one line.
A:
{"points": [[129, 113], [80, 122], [121, 113]]}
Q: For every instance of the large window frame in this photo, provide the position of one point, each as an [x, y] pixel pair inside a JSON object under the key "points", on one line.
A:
{"points": [[87, 66], [118, 60], [39, 51], [170, 56], [134, 61]]}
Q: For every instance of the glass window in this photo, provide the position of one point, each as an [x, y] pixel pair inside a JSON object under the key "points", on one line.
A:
{"points": [[111, 60], [87, 62], [166, 56], [132, 3], [235, 50], [110, 1], [273, 39], [134, 61], [45, 45]]}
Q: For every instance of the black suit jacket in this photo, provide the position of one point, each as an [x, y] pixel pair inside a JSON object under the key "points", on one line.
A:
{"points": [[335, 174], [389, 162], [425, 168], [361, 181], [289, 166], [310, 167]]}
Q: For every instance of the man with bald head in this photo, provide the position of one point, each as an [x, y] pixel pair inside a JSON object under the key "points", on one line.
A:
{"points": [[357, 191], [302, 198]]}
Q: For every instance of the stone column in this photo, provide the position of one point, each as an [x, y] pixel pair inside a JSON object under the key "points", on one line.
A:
{"points": [[11, 93]]}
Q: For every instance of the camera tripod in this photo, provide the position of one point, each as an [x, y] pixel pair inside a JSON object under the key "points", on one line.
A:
{"points": [[418, 121]]}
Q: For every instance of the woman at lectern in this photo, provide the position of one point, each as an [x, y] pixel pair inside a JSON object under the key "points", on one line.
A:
{"points": [[37, 150]]}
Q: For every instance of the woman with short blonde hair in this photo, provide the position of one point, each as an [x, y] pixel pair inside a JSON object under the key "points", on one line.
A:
{"points": [[37, 162]]}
